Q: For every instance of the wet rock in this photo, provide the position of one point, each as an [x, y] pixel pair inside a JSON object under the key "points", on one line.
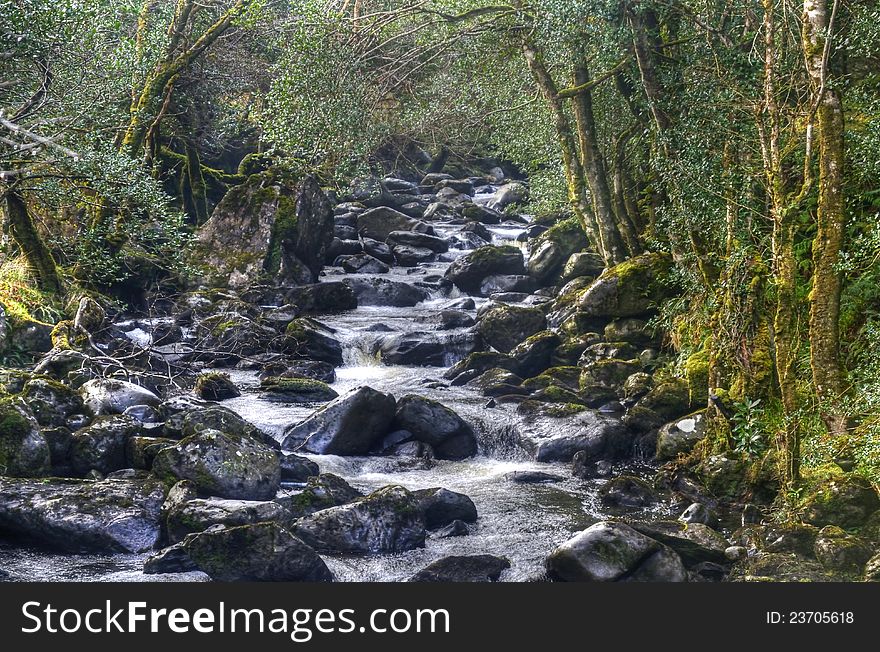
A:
{"points": [[297, 390], [143, 414], [664, 402], [140, 452], [449, 435], [464, 303], [384, 292], [349, 425], [215, 386], [614, 552], [312, 340], [222, 464], [296, 468], [467, 568], [407, 256], [448, 320], [461, 186], [321, 492], [635, 331], [680, 436], [481, 215], [469, 271], [600, 437], [111, 396], [840, 552], [378, 250], [532, 477], [200, 514], [503, 326], [427, 349], [846, 501], [314, 369], [255, 553], [535, 354], [82, 515], [102, 445], [418, 240], [628, 491], [24, 451], [51, 403], [439, 507], [457, 528], [378, 223], [173, 559], [481, 362], [215, 417], [361, 264], [694, 542], [506, 283], [699, 513], [387, 520], [324, 297]]}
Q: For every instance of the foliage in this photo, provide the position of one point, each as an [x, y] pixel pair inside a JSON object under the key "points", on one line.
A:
{"points": [[748, 427]]}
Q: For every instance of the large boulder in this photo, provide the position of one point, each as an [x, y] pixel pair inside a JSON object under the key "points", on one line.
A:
{"points": [[52, 403], [694, 542], [24, 451], [440, 507], [630, 289], [200, 514], [387, 520], [82, 515], [378, 223], [432, 423], [463, 568], [102, 445], [600, 437], [419, 240], [680, 436], [321, 492], [614, 552], [311, 340], [222, 464], [427, 349], [552, 249], [328, 296], [846, 501], [503, 326], [112, 396], [269, 226], [261, 552], [508, 195], [385, 292], [349, 425], [535, 354], [468, 272], [841, 552]]}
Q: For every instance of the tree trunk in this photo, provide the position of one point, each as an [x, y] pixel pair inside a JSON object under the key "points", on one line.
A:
{"points": [[828, 377], [38, 257], [196, 182]]}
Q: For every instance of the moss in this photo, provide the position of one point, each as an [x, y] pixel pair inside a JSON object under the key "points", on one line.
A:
{"points": [[564, 376], [556, 394], [696, 373], [294, 385], [284, 229]]}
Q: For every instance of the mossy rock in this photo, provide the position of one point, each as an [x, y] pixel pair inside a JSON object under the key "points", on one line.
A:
{"points": [[630, 289], [843, 499], [481, 362], [468, 272], [556, 394], [23, 449], [216, 386], [696, 374], [551, 250], [567, 377], [570, 351], [608, 373], [504, 326], [298, 390]]}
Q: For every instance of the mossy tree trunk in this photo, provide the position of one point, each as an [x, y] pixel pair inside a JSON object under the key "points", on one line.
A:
{"points": [[24, 232], [828, 376], [198, 199]]}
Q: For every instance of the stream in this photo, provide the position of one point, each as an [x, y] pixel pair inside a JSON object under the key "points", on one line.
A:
{"points": [[522, 522]]}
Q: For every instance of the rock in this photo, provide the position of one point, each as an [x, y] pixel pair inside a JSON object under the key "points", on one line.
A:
{"points": [[582, 264], [270, 227], [407, 256], [387, 520], [846, 501], [297, 390], [255, 553], [324, 297], [143, 414], [505, 326], [31, 337], [384, 292], [731, 477], [24, 451], [699, 513], [552, 249], [447, 320], [532, 477], [427, 349], [200, 514], [440, 507], [111, 396], [173, 559], [200, 419], [634, 331], [222, 464], [419, 240], [311, 340], [457, 528], [215, 386], [349, 425], [321, 492], [509, 194], [481, 215], [51, 403], [467, 568], [140, 452], [614, 552], [627, 491], [344, 232], [82, 515], [461, 186], [469, 271], [840, 552], [361, 264], [378, 223], [314, 369], [630, 289], [496, 382], [481, 362], [600, 437], [296, 468], [378, 250], [435, 424], [506, 283], [535, 354], [666, 401], [694, 542], [607, 374], [872, 569], [102, 445], [636, 387], [680, 437]]}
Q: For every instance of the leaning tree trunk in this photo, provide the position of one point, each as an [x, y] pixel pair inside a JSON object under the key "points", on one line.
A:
{"points": [[36, 254], [828, 377]]}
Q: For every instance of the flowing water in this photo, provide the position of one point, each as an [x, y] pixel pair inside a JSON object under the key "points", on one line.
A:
{"points": [[522, 522]]}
